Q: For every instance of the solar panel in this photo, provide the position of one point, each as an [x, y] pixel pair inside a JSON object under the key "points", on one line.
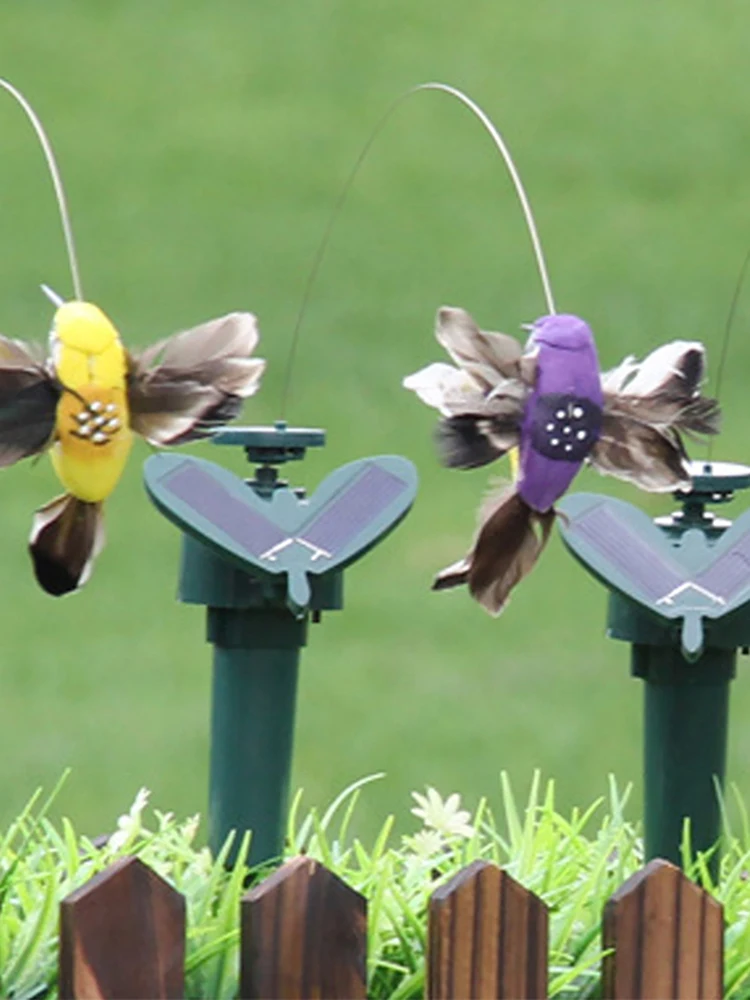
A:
{"points": [[354, 507], [612, 537], [208, 498], [730, 573], [368, 494], [691, 577]]}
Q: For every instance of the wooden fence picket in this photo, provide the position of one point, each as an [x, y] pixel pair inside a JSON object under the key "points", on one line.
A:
{"points": [[303, 935], [122, 936], [487, 938], [668, 938]]}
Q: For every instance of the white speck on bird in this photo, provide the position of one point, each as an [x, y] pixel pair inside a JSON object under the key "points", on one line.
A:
{"points": [[577, 412], [581, 435], [110, 408], [82, 417], [96, 406], [99, 437], [98, 421], [550, 427], [554, 442], [113, 424], [84, 430], [566, 429], [561, 414], [568, 447]]}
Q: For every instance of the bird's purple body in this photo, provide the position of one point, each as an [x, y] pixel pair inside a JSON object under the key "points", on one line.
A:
{"points": [[563, 415]]}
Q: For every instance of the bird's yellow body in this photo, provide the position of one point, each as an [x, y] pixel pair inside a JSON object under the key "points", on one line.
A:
{"points": [[514, 460], [92, 432]]}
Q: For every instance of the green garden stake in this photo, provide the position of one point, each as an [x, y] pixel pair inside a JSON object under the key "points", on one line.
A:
{"points": [[264, 559], [680, 594]]}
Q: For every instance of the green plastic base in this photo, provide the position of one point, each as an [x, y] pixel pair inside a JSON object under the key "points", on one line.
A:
{"points": [[252, 727], [686, 708]]}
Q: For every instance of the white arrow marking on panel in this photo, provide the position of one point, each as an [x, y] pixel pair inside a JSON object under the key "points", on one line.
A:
{"points": [[684, 587], [316, 550]]}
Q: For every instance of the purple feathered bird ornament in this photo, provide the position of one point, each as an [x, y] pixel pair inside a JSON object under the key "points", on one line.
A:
{"points": [[551, 402]]}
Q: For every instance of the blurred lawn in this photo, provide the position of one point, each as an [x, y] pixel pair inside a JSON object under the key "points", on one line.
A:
{"points": [[202, 145]]}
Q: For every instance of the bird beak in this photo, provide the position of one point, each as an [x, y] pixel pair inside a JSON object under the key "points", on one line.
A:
{"points": [[54, 298]]}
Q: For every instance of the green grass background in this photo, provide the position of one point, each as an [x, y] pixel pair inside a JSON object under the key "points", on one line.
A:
{"points": [[202, 145]]}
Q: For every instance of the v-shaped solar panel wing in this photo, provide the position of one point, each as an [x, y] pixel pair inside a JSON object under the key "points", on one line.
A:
{"points": [[691, 582], [351, 510]]}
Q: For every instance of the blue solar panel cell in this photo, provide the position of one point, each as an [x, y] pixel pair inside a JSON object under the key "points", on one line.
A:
{"points": [[208, 498], [730, 574], [366, 496], [654, 574]]}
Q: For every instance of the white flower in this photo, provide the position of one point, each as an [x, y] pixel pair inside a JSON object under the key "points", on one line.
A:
{"points": [[203, 862], [129, 825], [166, 820], [426, 843], [190, 827], [447, 818]]}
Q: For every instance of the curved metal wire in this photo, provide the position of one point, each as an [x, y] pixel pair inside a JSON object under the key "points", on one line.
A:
{"points": [[727, 332], [323, 246], [56, 183]]}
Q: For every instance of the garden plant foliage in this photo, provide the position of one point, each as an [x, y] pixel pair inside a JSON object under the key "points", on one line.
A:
{"points": [[573, 862]]}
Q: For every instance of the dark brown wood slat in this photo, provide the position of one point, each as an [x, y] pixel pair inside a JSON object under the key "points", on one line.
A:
{"points": [[303, 935], [712, 950], [661, 913], [487, 918], [668, 938], [516, 940], [122, 936], [688, 964], [487, 938]]}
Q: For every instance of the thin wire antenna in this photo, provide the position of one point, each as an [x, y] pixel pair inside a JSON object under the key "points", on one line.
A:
{"points": [[727, 332], [56, 183], [321, 251]]}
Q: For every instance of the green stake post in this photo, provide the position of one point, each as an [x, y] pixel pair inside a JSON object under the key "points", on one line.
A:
{"points": [[254, 693], [686, 707], [256, 649], [264, 560], [680, 594]]}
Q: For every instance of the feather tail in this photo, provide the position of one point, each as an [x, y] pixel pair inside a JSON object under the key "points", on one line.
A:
{"points": [[510, 540], [453, 576], [67, 535]]}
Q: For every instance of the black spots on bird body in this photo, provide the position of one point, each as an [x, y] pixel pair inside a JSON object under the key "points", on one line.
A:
{"points": [[565, 427], [96, 422]]}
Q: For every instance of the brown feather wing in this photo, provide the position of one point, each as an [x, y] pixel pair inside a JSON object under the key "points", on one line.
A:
{"points": [[28, 403], [482, 401], [648, 407], [482, 353], [651, 458], [483, 417], [181, 388], [469, 442]]}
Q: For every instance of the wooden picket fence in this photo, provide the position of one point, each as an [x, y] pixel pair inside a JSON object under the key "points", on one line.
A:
{"points": [[304, 933]]}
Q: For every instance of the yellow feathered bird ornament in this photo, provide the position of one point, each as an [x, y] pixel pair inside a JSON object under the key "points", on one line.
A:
{"points": [[85, 399]]}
